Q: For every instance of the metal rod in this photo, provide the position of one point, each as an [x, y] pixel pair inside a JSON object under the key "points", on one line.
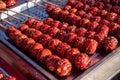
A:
{"points": [[23, 14], [2, 27], [12, 16]]}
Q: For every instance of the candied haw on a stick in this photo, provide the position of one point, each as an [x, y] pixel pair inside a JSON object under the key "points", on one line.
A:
{"points": [[88, 15], [113, 28], [102, 13], [44, 39], [19, 39], [71, 2], [63, 67], [63, 26], [99, 37], [23, 27], [114, 2], [44, 28], [61, 48], [116, 9], [36, 34], [104, 22], [103, 29], [108, 7], [71, 29], [90, 46], [92, 26], [90, 2], [110, 44], [71, 54], [69, 17], [10, 3], [53, 43], [63, 14], [84, 22], [90, 34], [99, 5], [53, 31], [12, 34], [55, 12], [55, 23], [117, 20], [67, 7], [29, 31], [10, 29], [2, 5], [80, 13], [61, 35], [106, 1], [81, 61], [78, 5], [37, 25], [30, 21], [80, 31], [76, 20], [111, 16], [86, 7], [51, 62], [96, 18], [78, 42], [42, 53], [69, 38], [27, 43], [93, 10], [50, 8], [34, 48], [73, 10], [48, 21]]}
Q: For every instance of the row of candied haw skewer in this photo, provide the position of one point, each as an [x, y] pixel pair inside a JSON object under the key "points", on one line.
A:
{"points": [[43, 55], [83, 5], [79, 40], [89, 45], [82, 21], [56, 46], [69, 38], [105, 29]]}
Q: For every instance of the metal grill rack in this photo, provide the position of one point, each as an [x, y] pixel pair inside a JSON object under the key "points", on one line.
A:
{"points": [[36, 9]]}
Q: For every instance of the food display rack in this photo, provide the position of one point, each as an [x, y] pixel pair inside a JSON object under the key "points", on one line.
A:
{"points": [[105, 67]]}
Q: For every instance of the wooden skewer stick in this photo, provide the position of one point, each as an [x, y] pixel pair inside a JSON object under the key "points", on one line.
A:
{"points": [[12, 16], [2, 27], [50, 3], [22, 14], [7, 22]]}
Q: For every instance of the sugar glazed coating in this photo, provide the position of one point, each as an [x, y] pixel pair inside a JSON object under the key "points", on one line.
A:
{"points": [[90, 46], [71, 35], [110, 44], [81, 61], [63, 67]]}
